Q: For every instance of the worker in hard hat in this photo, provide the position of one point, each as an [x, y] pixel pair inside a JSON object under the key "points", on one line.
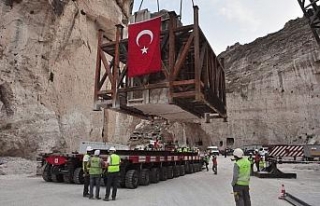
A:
{"points": [[241, 179], [95, 170], [214, 164], [251, 160], [86, 176], [113, 169]]}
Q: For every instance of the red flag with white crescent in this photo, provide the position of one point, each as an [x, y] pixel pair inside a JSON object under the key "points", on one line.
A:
{"points": [[144, 56]]}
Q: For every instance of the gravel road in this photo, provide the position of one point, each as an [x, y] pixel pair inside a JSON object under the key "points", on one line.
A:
{"points": [[202, 188]]}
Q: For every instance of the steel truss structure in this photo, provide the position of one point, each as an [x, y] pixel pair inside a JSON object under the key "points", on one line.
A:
{"points": [[192, 77], [311, 11]]}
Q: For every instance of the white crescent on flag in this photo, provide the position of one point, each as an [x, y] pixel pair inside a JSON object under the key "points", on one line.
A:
{"points": [[144, 32]]}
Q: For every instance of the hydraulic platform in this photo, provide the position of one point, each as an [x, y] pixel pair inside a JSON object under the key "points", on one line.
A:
{"points": [[190, 85]]}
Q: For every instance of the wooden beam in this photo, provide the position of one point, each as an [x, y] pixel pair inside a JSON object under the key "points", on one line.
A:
{"points": [[196, 52], [183, 56], [106, 66], [145, 87], [183, 82], [122, 75], [98, 68], [103, 79], [184, 94], [172, 26]]}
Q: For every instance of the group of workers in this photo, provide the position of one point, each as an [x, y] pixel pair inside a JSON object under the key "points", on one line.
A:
{"points": [[241, 175], [257, 160], [94, 168], [206, 160]]}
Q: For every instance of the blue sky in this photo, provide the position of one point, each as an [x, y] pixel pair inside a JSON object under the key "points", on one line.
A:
{"points": [[226, 22]]}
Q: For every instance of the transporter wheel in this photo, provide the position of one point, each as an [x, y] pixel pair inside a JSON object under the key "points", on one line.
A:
{"points": [[46, 174], [57, 178], [132, 179], [144, 177], [154, 175], [176, 171], [195, 167], [67, 178], [169, 172], [78, 176], [182, 170], [163, 174], [191, 168], [187, 168]]}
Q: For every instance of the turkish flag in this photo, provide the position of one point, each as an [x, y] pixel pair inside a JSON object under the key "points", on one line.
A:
{"points": [[144, 56]]}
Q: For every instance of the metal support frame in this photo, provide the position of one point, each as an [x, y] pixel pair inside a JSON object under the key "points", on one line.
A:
{"points": [[273, 172], [311, 11], [191, 72]]}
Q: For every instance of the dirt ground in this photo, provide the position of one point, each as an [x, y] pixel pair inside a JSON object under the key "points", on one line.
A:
{"points": [[202, 188]]}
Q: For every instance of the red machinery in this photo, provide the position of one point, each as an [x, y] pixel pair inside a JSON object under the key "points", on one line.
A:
{"points": [[137, 167]]}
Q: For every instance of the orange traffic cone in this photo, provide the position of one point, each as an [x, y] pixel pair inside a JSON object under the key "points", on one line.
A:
{"points": [[282, 192]]}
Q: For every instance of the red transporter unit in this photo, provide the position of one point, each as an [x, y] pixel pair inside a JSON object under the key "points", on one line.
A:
{"points": [[137, 167]]}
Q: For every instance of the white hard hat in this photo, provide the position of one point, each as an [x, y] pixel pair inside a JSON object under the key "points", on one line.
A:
{"points": [[238, 153], [89, 148], [97, 152], [112, 149]]}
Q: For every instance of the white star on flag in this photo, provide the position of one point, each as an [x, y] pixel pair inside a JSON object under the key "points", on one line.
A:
{"points": [[144, 50]]}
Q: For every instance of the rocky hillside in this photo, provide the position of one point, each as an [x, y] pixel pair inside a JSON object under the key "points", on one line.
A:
{"points": [[273, 88], [47, 58]]}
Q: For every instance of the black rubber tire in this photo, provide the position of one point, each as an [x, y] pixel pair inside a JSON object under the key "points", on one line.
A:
{"points": [[198, 167], [195, 167], [169, 172], [57, 178], [154, 175], [78, 176], [163, 174], [176, 171], [187, 168], [191, 168], [132, 179], [182, 170], [46, 174], [144, 177], [67, 178]]}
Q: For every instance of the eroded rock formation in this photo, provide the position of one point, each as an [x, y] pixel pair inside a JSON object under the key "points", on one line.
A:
{"points": [[273, 89], [47, 58], [48, 55]]}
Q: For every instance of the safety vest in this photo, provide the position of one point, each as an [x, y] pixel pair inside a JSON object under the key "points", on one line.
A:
{"points": [[261, 164], [250, 159], [114, 164], [86, 156], [206, 158], [95, 166], [244, 171]]}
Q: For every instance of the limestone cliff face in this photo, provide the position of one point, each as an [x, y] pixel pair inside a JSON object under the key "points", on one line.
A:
{"points": [[47, 58], [273, 89], [47, 64]]}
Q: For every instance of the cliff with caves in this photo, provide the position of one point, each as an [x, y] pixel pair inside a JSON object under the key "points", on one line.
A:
{"points": [[47, 58], [273, 89]]}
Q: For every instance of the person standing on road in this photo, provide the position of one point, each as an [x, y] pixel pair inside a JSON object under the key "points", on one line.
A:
{"points": [[250, 158], [95, 171], [214, 164], [241, 179], [206, 161], [257, 159], [113, 168], [86, 176]]}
